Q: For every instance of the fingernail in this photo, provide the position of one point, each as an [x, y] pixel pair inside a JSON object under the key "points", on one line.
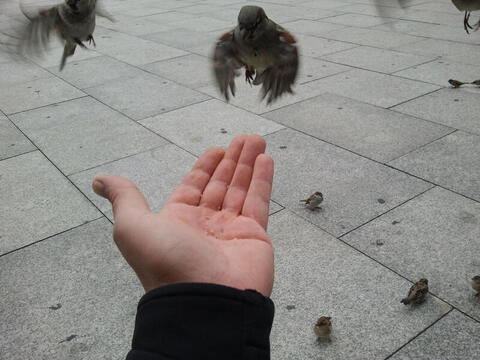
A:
{"points": [[99, 187]]}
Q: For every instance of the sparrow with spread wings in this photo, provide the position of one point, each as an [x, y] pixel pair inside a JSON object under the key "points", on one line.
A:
{"points": [[73, 21], [266, 50]]}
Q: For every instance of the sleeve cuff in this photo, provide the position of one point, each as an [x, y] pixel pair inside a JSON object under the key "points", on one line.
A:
{"points": [[202, 321]]}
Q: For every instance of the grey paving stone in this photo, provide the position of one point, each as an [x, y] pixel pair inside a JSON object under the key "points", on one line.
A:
{"points": [[210, 123], [379, 134], [449, 50], [37, 202], [18, 72], [36, 93], [169, 17], [145, 95], [314, 47], [137, 26], [357, 20], [381, 60], [185, 38], [140, 52], [319, 275], [355, 189], [156, 172], [204, 23], [455, 337], [192, 70], [92, 134], [76, 286], [451, 162], [313, 69], [249, 97], [434, 31], [457, 109], [434, 236], [53, 56], [370, 37], [374, 88], [12, 141], [95, 71], [440, 71], [311, 27]]}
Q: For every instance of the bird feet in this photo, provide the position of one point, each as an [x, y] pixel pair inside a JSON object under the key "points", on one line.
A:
{"points": [[466, 23], [91, 40], [249, 75]]}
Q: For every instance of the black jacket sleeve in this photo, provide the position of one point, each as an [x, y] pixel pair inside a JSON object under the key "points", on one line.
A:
{"points": [[202, 322]]}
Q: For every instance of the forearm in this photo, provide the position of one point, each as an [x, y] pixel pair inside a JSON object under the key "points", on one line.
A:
{"points": [[202, 321]]}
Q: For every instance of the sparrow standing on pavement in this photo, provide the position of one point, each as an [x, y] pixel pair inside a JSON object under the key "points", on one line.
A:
{"points": [[313, 200], [265, 49], [476, 284], [323, 327], [417, 292], [73, 21]]}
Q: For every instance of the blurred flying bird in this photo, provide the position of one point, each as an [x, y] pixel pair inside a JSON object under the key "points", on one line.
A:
{"points": [[73, 21], [476, 284], [266, 50]]}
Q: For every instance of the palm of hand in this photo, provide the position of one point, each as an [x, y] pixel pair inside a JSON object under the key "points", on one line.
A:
{"points": [[213, 228]]}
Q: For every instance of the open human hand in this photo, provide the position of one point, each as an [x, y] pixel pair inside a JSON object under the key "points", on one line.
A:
{"points": [[213, 227]]}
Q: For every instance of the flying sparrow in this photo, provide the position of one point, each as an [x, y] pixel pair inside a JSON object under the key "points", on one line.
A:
{"points": [[73, 21], [313, 200], [266, 50], [417, 292], [323, 327], [476, 284]]}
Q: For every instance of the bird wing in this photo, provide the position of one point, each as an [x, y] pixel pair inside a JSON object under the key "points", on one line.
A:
{"points": [[280, 77], [226, 64], [35, 35]]}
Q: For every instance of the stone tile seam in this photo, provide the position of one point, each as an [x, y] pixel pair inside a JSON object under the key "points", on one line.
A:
{"points": [[380, 72], [60, 171], [53, 235], [44, 106], [138, 121], [419, 334], [422, 146], [23, 153]]}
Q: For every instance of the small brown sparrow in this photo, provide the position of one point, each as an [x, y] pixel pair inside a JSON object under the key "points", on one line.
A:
{"points": [[323, 327], [455, 83], [313, 200], [476, 284], [265, 49], [417, 292]]}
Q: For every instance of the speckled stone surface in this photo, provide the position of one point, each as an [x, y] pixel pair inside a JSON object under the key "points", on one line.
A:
{"points": [[451, 162], [451, 107], [320, 276], [416, 240], [12, 141], [93, 134], [76, 299], [455, 337], [156, 173], [37, 202], [305, 165], [210, 123], [139, 97], [373, 88], [350, 124], [387, 152]]}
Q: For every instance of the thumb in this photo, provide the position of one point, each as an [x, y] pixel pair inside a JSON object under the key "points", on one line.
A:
{"points": [[123, 194]]}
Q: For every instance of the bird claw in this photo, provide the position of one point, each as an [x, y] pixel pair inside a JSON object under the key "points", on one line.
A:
{"points": [[249, 75], [91, 40]]}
